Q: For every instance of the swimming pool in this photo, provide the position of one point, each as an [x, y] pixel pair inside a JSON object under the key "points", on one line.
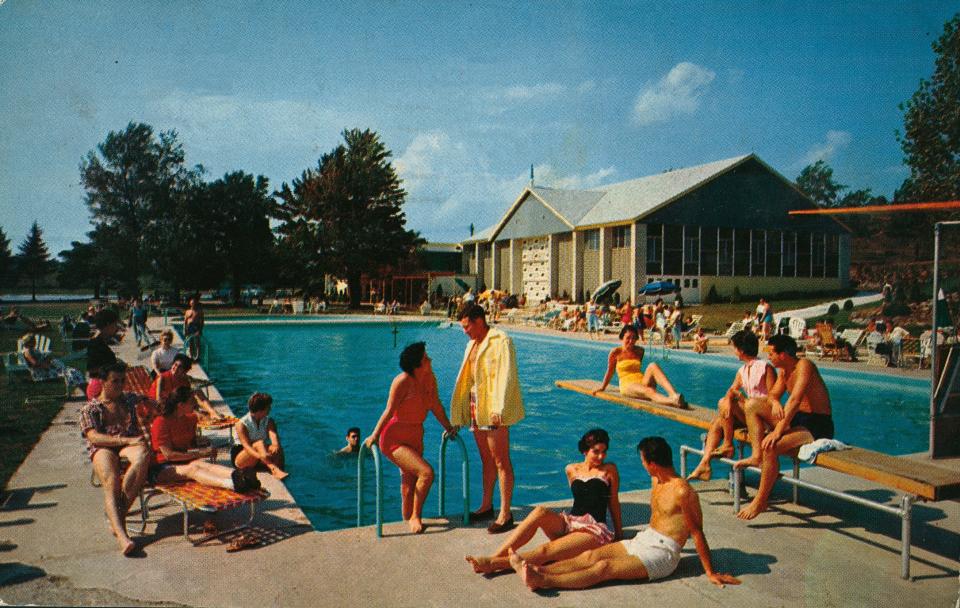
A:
{"points": [[327, 377]]}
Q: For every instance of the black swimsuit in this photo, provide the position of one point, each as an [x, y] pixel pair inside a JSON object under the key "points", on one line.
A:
{"points": [[590, 496]]}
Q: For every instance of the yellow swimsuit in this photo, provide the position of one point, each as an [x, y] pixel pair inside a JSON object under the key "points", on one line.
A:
{"points": [[629, 372]]}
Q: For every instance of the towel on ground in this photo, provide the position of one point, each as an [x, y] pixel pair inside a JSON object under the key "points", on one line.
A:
{"points": [[808, 452]]}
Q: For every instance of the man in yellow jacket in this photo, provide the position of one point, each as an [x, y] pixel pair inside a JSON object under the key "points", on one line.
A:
{"points": [[487, 397]]}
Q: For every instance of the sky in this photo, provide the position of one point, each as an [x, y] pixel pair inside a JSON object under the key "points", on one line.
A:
{"points": [[466, 95]]}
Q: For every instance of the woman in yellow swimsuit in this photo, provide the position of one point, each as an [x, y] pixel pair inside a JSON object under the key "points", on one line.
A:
{"points": [[626, 360]]}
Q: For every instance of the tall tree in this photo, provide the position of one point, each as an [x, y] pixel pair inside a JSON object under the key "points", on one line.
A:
{"points": [[6, 259], [33, 259], [931, 126], [345, 217], [134, 181], [816, 181], [240, 234]]}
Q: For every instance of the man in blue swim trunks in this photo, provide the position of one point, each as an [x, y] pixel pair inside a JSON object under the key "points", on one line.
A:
{"points": [[805, 418]]}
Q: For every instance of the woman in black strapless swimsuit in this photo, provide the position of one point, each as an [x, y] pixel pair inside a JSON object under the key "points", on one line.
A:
{"points": [[595, 486]]}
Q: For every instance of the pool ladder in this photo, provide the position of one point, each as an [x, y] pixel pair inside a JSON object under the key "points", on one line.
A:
{"points": [[441, 491]]}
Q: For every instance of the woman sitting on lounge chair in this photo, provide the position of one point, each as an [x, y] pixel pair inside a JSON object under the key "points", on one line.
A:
{"points": [[626, 360], [595, 485], [176, 456], [44, 367]]}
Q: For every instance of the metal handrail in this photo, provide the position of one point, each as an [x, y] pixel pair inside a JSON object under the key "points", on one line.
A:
{"points": [[378, 472], [443, 477]]}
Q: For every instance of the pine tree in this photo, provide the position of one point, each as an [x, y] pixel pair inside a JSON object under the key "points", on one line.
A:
{"points": [[34, 260], [6, 259]]}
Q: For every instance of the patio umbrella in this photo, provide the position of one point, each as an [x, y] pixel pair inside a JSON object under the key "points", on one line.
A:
{"points": [[463, 284], [659, 288], [606, 290]]}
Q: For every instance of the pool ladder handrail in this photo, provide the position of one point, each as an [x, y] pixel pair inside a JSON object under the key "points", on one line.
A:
{"points": [[465, 475], [378, 473]]}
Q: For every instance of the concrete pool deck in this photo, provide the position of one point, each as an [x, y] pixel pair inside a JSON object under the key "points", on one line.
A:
{"points": [[57, 549]]}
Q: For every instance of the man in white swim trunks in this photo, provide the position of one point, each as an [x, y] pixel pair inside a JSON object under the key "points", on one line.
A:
{"points": [[653, 553]]}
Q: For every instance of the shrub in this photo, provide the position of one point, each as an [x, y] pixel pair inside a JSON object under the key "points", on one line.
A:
{"points": [[848, 305], [736, 298], [834, 309], [711, 297]]}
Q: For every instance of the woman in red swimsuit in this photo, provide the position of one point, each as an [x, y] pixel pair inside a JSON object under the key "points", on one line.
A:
{"points": [[400, 429]]}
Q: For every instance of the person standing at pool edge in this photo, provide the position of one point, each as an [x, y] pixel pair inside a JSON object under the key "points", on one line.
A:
{"points": [[486, 396]]}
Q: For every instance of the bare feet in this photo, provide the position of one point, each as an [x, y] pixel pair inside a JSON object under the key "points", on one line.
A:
{"points": [[756, 507], [278, 472], [481, 565], [703, 472], [126, 545], [747, 462], [415, 525], [723, 451], [515, 561]]}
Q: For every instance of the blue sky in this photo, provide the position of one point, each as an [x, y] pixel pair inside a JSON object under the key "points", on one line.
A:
{"points": [[467, 96]]}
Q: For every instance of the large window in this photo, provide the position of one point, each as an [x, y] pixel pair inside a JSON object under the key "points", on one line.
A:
{"points": [[708, 251], [621, 237], [673, 250], [758, 252], [803, 254], [691, 250], [654, 249], [725, 252], [591, 239], [741, 252], [818, 255], [833, 256], [789, 254], [774, 253]]}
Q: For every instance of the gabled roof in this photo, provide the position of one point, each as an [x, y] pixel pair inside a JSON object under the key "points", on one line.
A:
{"points": [[571, 205], [633, 199]]}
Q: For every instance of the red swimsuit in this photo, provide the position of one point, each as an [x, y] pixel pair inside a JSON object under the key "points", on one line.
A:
{"points": [[406, 426]]}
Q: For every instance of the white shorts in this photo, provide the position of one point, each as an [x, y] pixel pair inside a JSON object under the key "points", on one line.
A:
{"points": [[660, 554]]}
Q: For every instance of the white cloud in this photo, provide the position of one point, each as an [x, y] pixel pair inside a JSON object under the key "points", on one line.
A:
{"points": [[675, 94], [450, 185], [834, 142], [586, 86]]}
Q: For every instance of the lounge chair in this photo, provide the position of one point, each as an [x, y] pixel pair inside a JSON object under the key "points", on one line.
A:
{"points": [[853, 337], [192, 495], [797, 328], [873, 357], [829, 345], [734, 328], [693, 326]]}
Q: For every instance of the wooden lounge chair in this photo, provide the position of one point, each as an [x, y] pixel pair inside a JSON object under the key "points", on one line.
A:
{"points": [[828, 343]]}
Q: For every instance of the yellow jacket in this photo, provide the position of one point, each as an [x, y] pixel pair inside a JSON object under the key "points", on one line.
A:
{"points": [[498, 385]]}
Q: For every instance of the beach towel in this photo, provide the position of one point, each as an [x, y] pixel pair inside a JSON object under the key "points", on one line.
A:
{"points": [[808, 452]]}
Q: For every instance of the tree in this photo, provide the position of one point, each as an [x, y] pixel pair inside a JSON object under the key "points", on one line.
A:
{"points": [[6, 259], [345, 216], [134, 181], [816, 181], [33, 260], [931, 126]]}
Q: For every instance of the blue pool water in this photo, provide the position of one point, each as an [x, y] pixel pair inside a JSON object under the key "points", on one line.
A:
{"points": [[325, 378]]}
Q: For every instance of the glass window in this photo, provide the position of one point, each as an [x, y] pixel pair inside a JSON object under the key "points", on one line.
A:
{"points": [[741, 253], [833, 256], [803, 254], [774, 253], [695, 283], [654, 249], [758, 252], [725, 252], [789, 254], [691, 250], [591, 239], [673, 250], [708, 251], [621, 237], [817, 255]]}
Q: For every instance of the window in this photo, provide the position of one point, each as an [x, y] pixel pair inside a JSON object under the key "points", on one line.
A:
{"points": [[691, 250], [833, 256], [774, 253], [673, 250], [803, 254], [725, 252], [818, 255], [708, 251], [654, 249], [789, 254], [758, 252], [591, 239], [621, 237], [741, 253]]}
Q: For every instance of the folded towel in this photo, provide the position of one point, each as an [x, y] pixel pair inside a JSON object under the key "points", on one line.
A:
{"points": [[808, 452]]}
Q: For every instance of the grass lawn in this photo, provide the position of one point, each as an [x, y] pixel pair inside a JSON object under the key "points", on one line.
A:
{"points": [[717, 317], [21, 424]]}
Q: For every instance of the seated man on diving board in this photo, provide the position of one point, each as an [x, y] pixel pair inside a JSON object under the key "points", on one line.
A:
{"points": [[652, 554], [806, 417]]}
